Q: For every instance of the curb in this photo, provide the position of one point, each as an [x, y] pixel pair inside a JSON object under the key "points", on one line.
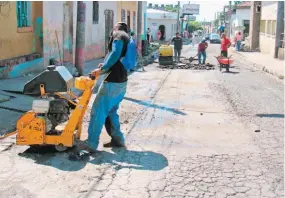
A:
{"points": [[260, 67]]}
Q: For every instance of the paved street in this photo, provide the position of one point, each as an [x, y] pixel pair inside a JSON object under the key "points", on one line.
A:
{"points": [[189, 134]]}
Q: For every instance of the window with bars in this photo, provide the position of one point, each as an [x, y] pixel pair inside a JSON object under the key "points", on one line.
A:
{"points": [[262, 26], [123, 15], [134, 22], [95, 12], [273, 27], [24, 14], [129, 19]]}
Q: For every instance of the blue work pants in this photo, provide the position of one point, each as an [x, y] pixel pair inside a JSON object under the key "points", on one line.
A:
{"points": [[200, 55], [105, 107], [238, 44]]}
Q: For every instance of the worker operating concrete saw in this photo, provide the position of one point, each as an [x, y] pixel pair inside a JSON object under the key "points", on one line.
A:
{"points": [[110, 93]]}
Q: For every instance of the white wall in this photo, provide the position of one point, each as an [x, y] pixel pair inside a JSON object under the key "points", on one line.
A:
{"points": [[52, 22], [268, 10], [242, 14], [170, 27], [95, 33]]}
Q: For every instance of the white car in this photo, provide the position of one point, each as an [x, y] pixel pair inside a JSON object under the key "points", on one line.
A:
{"points": [[215, 38]]}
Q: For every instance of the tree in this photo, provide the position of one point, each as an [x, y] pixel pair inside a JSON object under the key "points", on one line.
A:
{"points": [[238, 2], [194, 26], [170, 8]]}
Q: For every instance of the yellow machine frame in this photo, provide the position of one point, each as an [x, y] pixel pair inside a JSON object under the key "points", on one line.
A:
{"points": [[165, 50], [31, 129]]}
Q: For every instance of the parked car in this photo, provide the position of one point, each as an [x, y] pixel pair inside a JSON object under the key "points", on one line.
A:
{"points": [[215, 38]]}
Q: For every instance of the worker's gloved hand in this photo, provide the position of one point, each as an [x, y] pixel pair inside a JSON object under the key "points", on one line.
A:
{"points": [[96, 73]]}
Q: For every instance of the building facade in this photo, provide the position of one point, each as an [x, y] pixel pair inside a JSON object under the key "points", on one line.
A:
{"points": [[127, 12], [100, 19], [37, 32], [268, 26], [161, 20], [267, 32], [240, 19], [21, 38]]}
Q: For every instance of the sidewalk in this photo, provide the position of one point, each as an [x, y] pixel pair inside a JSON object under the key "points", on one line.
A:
{"points": [[263, 62]]}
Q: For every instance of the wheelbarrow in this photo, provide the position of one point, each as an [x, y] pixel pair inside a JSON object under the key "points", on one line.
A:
{"points": [[224, 62]]}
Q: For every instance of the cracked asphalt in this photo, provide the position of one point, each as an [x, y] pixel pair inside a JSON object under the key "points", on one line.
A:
{"points": [[188, 134]]}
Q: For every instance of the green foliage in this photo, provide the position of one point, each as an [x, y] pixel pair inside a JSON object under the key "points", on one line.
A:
{"points": [[194, 26], [216, 23], [171, 8], [238, 2]]}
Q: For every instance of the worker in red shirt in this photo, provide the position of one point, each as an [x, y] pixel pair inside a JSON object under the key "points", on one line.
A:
{"points": [[225, 44], [202, 51]]}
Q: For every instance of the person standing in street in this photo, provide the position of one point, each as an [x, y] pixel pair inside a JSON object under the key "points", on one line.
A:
{"points": [[158, 35], [225, 44], [238, 39], [148, 35], [133, 48], [202, 51], [178, 45], [110, 93]]}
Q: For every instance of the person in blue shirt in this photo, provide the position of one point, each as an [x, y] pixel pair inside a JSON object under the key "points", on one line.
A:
{"points": [[133, 48], [110, 93]]}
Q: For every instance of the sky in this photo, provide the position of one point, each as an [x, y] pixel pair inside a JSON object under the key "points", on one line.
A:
{"points": [[207, 8]]}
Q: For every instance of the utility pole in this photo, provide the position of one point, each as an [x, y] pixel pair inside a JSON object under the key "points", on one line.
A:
{"points": [[230, 19], [279, 26], [139, 28], [80, 37], [178, 13], [254, 27]]}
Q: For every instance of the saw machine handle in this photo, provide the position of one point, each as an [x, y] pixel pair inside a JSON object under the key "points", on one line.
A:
{"points": [[91, 76]]}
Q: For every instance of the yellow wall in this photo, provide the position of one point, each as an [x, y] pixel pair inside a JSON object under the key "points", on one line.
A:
{"points": [[128, 6], [13, 43]]}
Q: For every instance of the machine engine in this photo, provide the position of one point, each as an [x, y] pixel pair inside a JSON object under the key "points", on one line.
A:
{"points": [[50, 106], [54, 110], [59, 111]]}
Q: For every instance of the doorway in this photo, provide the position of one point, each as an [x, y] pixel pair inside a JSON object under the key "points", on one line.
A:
{"points": [[162, 31], [109, 24], [246, 30]]}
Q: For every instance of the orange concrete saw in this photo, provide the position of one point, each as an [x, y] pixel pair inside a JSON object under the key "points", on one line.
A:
{"points": [[56, 116]]}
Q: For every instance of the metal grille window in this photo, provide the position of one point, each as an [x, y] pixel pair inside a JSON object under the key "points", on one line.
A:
{"points": [[273, 27], [129, 19], [123, 15], [134, 22], [23, 14], [262, 26], [95, 12]]}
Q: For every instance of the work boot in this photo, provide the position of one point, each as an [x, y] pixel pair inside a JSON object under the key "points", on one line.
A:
{"points": [[114, 143]]}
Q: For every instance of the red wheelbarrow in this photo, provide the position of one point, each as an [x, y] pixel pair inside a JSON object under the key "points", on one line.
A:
{"points": [[225, 62]]}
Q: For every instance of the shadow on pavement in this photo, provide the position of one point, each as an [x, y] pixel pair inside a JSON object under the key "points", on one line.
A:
{"points": [[230, 72], [270, 115], [155, 106], [120, 158]]}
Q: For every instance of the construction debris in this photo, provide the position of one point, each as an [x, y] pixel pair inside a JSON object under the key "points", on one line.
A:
{"points": [[188, 66], [245, 48]]}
